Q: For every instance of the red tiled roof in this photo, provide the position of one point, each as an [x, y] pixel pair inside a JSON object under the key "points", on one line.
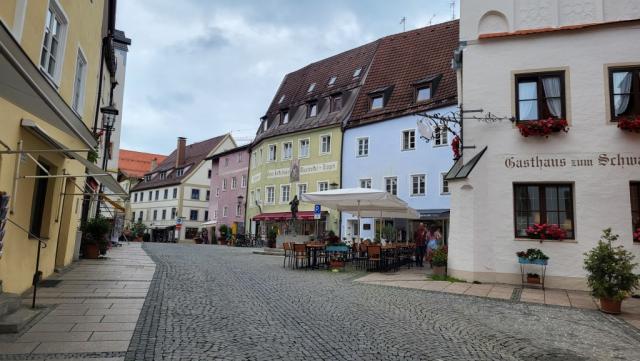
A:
{"points": [[194, 154], [136, 164], [549, 30], [401, 61]]}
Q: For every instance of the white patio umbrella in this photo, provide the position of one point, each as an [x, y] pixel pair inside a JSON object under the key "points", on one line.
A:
{"points": [[363, 201]]}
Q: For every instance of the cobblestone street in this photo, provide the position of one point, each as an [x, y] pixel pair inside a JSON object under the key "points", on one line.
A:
{"points": [[211, 302]]}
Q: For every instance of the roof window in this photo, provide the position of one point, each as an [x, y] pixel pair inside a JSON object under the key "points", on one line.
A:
{"points": [[311, 87], [332, 80], [281, 99], [357, 72]]}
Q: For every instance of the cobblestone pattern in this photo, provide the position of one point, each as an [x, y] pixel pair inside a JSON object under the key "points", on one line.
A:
{"points": [[212, 302]]}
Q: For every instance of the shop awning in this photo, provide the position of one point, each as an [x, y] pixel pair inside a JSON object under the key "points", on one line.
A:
{"points": [[209, 223], [433, 214], [93, 170], [283, 216], [461, 170]]}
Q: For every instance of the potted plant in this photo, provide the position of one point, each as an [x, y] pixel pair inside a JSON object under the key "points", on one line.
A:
{"points": [[138, 230], [636, 235], [439, 261], [542, 127], [532, 256], [272, 236], [533, 278], [94, 237], [610, 273], [223, 229], [630, 124]]}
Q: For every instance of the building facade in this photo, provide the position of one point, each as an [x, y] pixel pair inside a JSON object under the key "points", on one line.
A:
{"points": [[228, 189], [558, 60], [50, 56], [299, 143], [382, 148], [171, 200]]}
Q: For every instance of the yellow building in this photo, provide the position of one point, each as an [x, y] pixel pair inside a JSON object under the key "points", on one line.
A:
{"points": [[50, 59]]}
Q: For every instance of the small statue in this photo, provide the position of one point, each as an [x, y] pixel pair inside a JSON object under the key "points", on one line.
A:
{"points": [[294, 207]]}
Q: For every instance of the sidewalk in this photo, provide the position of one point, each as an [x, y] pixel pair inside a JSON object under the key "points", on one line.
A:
{"points": [[418, 278], [91, 313]]}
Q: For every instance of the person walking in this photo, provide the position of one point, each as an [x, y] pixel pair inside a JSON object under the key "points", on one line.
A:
{"points": [[420, 238]]}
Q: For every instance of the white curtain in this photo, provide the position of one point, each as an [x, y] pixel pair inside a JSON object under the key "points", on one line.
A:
{"points": [[621, 84], [552, 93], [528, 103]]}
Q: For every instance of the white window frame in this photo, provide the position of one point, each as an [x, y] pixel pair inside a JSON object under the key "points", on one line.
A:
{"points": [[284, 117], [266, 194], [306, 187], [234, 182], [386, 188], [437, 137], [238, 209], [284, 154], [364, 154], [424, 189], [274, 152], [402, 147], [215, 214], [373, 99], [442, 181], [321, 138], [225, 211], [357, 72], [79, 88], [361, 180], [243, 181], [322, 182], [63, 19], [301, 155], [282, 187], [224, 184]]}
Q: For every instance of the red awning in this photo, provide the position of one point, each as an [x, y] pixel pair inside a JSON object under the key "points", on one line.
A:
{"points": [[283, 216]]}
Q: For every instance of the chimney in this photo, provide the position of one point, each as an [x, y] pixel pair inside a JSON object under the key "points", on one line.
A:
{"points": [[154, 164], [180, 150]]}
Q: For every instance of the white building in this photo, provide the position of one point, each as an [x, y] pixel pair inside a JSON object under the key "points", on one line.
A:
{"points": [[178, 190], [535, 59]]}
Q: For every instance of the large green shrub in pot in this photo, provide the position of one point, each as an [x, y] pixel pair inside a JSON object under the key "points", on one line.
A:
{"points": [[610, 269], [272, 236], [95, 231]]}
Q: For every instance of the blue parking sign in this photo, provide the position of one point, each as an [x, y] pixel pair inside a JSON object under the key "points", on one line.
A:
{"points": [[317, 209]]}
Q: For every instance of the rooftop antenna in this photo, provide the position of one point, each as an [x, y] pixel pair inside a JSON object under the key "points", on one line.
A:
{"points": [[431, 19], [403, 21], [453, 9]]}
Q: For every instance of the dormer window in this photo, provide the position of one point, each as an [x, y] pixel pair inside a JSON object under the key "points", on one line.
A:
{"points": [[147, 178], [377, 101], [179, 172], [423, 93], [264, 125], [332, 80], [336, 103], [357, 72], [284, 116], [281, 99], [311, 87], [312, 109], [163, 175]]}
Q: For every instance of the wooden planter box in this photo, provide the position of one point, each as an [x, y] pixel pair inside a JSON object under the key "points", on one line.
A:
{"points": [[533, 280]]}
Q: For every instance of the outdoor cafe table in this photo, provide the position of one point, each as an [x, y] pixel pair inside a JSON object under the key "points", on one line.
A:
{"points": [[394, 255], [312, 253]]}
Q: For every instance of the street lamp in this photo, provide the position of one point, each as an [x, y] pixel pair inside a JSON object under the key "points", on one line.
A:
{"points": [[240, 201], [109, 114], [333, 185]]}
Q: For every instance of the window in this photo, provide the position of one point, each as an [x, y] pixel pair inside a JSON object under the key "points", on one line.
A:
{"points": [[409, 139], [217, 192], [285, 117], [265, 125], [363, 147], [79, 83], [195, 194], [133, 216], [215, 214], [624, 90], [209, 173], [336, 103], [302, 189], [377, 102], [312, 109], [166, 194], [190, 232], [325, 144], [304, 148], [150, 196], [357, 72], [311, 87], [39, 201], [332, 80], [225, 211], [175, 193], [281, 99], [635, 205], [258, 195], [287, 149], [440, 136], [323, 186], [206, 215], [135, 198], [444, 183], [164, 214], [238, 209], [179, 172], [417, 185], [254, 159], [141, 196], [272, 153], [540, 96], [157, 195], [147, 178], [173, 213], [365, 183], [208, 195], [270, 193], [53, 45], [141, 216], [224, 184], [226, 161], [155, 214], [543, 203], [284, 193], [423, 94], [239, 157], [391, 184], [193, 215], [243, 181], [234, 182]]}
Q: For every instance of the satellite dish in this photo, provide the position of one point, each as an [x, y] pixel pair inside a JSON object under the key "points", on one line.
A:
{"points": [[425, 130]]}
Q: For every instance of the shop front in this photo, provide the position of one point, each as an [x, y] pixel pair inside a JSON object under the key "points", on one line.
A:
{"points": [[303, 229]]}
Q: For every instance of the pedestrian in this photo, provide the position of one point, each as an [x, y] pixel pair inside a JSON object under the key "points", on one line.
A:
{"points": [[420, 238], [432, 243]]}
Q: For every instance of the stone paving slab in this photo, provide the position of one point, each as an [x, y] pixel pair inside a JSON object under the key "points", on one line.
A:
{"points": [[82, 347]]}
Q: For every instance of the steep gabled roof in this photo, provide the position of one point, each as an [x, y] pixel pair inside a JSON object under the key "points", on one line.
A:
{"points": [[136, 164], [404, 60], [194, 154]]}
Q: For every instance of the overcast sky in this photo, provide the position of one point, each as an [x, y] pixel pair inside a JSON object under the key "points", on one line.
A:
{"points": [[200, 68]]}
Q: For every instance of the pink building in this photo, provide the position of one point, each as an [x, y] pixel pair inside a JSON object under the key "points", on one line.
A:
{"points": [[228, 189]]}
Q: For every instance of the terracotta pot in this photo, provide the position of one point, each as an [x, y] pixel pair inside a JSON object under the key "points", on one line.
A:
{"points": [[336, 264], [91, 251], [533, 280], [439, 270], [608, 305]]}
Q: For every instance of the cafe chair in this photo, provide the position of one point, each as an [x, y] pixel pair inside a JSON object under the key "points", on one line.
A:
{"points": [[288, 254], [374, 257], [299, 255]]}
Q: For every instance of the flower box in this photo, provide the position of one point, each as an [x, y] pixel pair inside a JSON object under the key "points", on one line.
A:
{"points": [[636, 235], [629, 124], [341, 249], [523, 260], [542, 127], [546, 231]]}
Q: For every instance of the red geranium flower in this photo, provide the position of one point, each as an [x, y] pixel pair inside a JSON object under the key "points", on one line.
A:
{"points": [[546, 231], [543, 127], [630, 124]]}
